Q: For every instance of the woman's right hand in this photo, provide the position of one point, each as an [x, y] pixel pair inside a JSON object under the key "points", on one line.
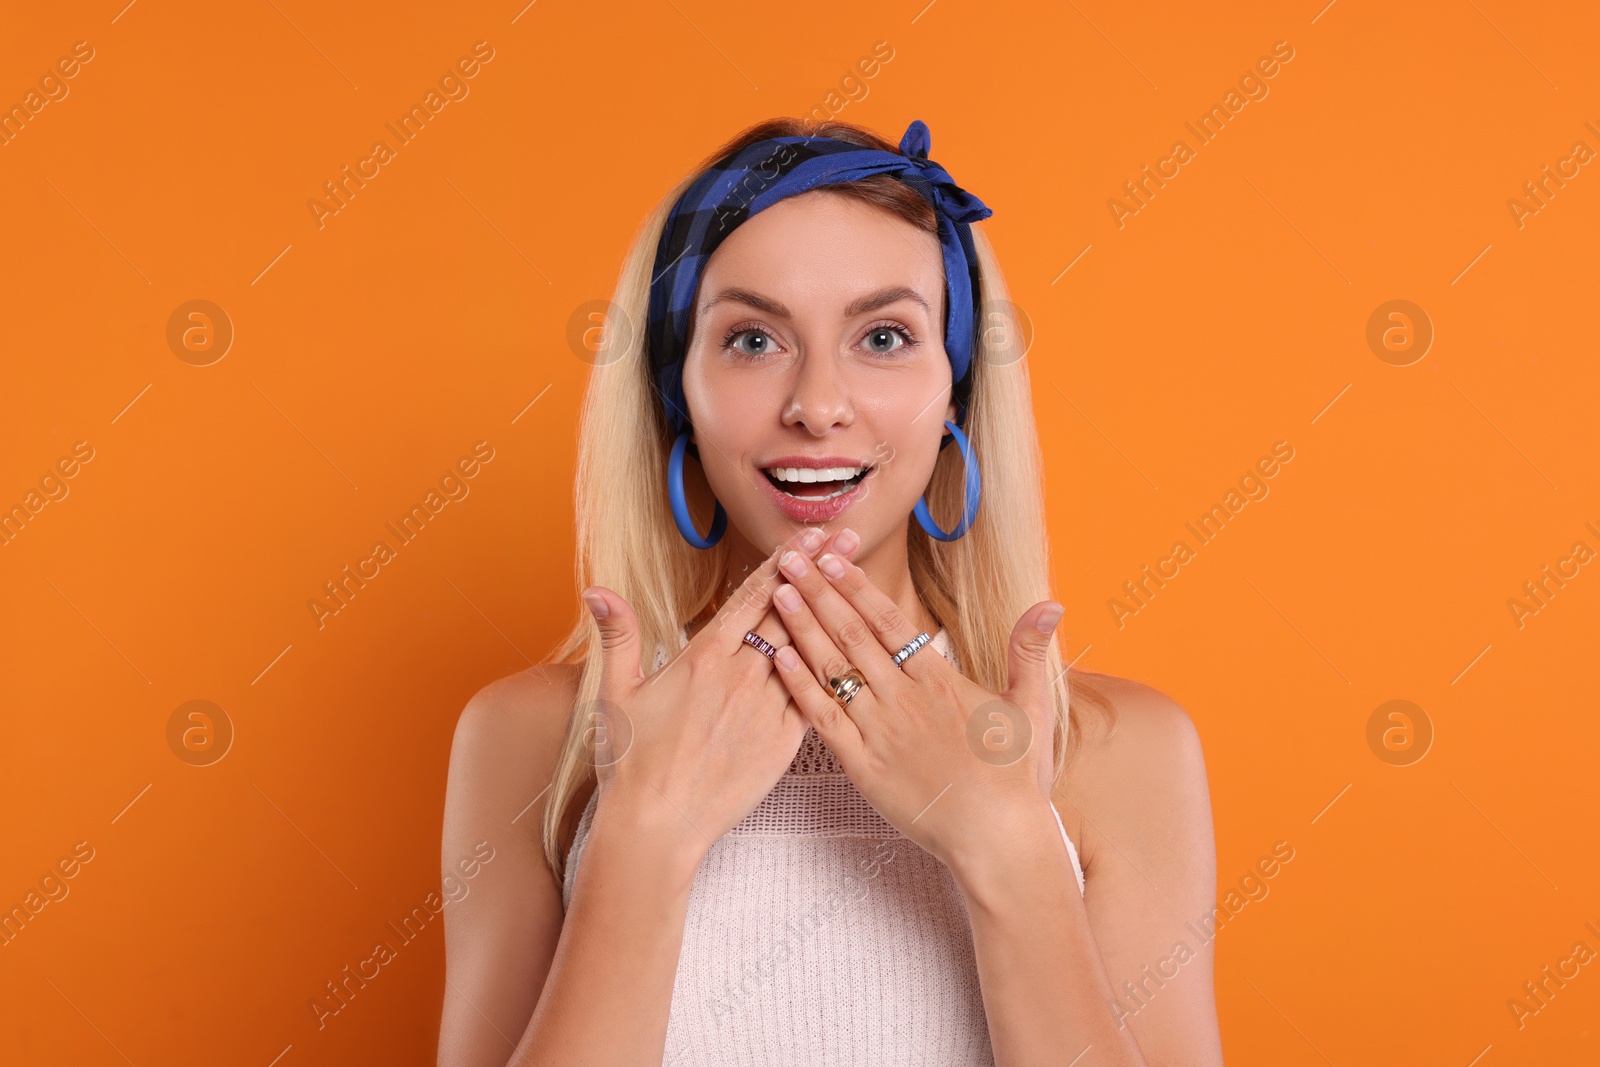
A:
{"points": [[691, 750]]}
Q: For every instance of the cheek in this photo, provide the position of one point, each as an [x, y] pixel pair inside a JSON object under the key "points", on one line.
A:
{"points": [[904, 462], [720, 394], [742, 398], [735, 415], [730, 425]]}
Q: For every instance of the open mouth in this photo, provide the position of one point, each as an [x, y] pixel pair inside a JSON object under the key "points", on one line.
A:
{"points": [[816, 483]]}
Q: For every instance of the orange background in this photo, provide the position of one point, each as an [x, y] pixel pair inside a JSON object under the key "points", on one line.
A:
{"points": [[372, 353]]}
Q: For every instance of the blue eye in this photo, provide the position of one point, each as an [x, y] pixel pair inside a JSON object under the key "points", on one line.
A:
{"points": [[761, 347], [885, 333], [754, 342]]}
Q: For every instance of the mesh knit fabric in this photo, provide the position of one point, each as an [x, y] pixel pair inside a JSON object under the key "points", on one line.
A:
{"points": [[818, 935]]}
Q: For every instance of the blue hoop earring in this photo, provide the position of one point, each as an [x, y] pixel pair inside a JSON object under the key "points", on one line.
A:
{"points": [[680, 505], [974, 492]]}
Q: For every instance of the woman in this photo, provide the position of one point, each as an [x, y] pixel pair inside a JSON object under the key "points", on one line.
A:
{"points": [[813, 785]]}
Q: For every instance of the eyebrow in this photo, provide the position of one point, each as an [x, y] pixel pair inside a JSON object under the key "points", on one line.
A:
{"points": [[859, 306]]}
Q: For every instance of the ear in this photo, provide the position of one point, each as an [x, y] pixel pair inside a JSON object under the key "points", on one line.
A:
{"points": [[950, 412]]}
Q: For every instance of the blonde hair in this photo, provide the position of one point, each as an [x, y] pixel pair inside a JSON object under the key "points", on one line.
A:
{"points": [[627, 541]]}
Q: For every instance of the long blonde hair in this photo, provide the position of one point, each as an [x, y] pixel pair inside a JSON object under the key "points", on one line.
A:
{"points": [[627, 541]]}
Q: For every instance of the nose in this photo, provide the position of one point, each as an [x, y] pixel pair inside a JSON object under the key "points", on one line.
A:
{"points": [[820, 397]]}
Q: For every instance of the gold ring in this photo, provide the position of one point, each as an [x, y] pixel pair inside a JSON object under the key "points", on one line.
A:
{"points": [[846, 687]]}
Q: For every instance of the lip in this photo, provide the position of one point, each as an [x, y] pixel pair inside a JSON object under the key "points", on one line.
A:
{"points": [[813, 461], [798, 510]]}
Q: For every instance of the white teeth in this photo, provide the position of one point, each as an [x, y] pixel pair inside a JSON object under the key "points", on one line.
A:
{"points": [[814, 474], [817, 474]]}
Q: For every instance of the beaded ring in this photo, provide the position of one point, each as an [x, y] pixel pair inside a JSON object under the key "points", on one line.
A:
{"points": [[912, 648], [760, 644]]}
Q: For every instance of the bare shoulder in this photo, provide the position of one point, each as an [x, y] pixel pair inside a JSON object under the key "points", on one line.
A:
{"points": [[507, 738], [1138, 767], [1136, 790], [505, 913], [519, 707], [1143, 723]]}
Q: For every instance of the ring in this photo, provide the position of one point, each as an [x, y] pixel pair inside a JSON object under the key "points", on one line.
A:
{"points": [[845, 688], [760, 644], [912, 648]]}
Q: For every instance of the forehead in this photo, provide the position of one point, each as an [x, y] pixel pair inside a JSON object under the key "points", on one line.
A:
{"points": [[828, 247]]}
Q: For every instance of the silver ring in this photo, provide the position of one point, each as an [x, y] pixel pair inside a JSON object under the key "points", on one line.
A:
{"points": [[913, 646], [760, 644]]}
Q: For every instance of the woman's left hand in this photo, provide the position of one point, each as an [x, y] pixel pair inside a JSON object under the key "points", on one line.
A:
{"points": [[949, 764]]}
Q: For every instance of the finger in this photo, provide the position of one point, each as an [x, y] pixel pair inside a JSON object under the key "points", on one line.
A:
{"points": [[883, 617], [772, 693], [753, 598], [772, 629], [816, 648], [619, 641], [846, 536], [771, 625], [754, 595], [820, 709], [1027, 663], [833, 544], [852, 635]]}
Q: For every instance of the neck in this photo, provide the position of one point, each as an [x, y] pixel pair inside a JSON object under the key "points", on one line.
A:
{"points": [[887, 566]]}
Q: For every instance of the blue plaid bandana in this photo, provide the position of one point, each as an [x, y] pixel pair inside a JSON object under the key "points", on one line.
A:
{"points": [[761, 174]]}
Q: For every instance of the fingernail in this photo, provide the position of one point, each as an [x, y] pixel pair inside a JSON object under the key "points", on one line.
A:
{"points": [[830, 565], [787, 659], [812, 539], [596, 604], [1049, 617], [786, 596], [847, 540], [793, 564]]}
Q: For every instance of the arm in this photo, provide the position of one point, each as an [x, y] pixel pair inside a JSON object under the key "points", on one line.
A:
{"points": [[705, 738], [525, 984], [1045, 987], [500, 937], [1105, 971], [607, 998], [1047, 960]]}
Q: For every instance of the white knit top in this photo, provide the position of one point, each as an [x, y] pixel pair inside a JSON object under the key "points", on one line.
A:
{"points": [[818, 935]]}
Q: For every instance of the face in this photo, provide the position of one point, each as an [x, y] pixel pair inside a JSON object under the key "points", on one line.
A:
{"points": [[817, 352]]}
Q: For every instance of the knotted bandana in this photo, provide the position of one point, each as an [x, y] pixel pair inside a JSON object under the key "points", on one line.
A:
{"points": [[758, 176]]}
